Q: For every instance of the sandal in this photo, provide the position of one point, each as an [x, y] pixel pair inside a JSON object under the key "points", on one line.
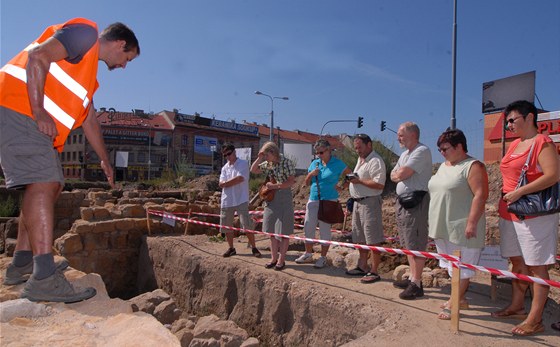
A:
{"points": [[280, 267], [445, 314], [462, 306], [526, 329], [270, 265], [370, 277], [508, 314]]}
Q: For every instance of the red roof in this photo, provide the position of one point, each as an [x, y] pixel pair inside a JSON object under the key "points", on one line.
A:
{"points": [[115, 118]]}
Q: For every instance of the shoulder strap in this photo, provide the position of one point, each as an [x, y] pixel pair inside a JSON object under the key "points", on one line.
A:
{"points": [[317, 180]]}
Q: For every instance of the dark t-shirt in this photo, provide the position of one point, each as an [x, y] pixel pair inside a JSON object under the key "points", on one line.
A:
{"points": [[77, 39]]}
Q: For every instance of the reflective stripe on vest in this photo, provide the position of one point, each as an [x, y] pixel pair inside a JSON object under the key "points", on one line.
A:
{"points": [[65, 79]]}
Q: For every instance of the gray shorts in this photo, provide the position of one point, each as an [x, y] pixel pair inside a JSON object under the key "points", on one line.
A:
{"points": [[26, 155], [367, 223], [227, 215], [412, 225]]}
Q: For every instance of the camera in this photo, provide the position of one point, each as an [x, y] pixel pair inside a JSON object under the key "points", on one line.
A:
{"points": [[351, 176]]}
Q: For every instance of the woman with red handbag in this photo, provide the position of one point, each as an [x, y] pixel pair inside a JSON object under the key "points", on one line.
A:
{"points": [[530, 243], [279, 212], [323, 175]]}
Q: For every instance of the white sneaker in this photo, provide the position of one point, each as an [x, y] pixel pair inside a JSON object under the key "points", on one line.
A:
{"points": [[305, 258], [320, 263]]}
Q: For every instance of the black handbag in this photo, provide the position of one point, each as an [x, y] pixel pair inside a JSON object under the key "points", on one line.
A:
{"points": [[539, 203], [329, 211]]}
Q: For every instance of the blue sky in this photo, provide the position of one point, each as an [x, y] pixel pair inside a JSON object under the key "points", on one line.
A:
{"points": [[336, 60]]}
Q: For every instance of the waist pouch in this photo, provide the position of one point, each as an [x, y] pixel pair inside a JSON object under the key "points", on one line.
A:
{"points": [[412, 199]]}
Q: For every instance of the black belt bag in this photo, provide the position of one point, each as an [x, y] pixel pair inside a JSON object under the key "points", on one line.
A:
{"points": [[412, 199]]}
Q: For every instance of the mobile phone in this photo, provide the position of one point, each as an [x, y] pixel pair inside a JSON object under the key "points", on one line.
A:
{"points": [[352, 176]]}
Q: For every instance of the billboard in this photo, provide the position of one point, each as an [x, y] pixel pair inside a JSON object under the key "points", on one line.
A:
{"points": [[300, 153], [497, 94]]}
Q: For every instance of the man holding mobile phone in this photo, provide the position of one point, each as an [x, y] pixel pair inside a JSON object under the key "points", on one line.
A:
{"points": [[366, 185]]}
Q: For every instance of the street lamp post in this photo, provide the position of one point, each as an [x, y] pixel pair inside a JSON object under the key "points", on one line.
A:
{"points": [[272, 110]]}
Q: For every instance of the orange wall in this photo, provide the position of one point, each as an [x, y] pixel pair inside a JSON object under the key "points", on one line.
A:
{"points": [[548, 123]]}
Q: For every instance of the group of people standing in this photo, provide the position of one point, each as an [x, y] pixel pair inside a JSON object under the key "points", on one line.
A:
{"points": [[448, 206]]}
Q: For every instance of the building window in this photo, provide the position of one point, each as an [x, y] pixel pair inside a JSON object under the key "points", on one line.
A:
{"points": [[62, 156], [184, 140], [80, 138], [141, 157], [73, 156], [73, 138], [130, 157]]}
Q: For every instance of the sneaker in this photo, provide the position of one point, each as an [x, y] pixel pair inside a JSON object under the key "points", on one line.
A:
{"points": [[412, 292], [305, 258], [402, 284], [230, 252], [55, 288], [320, 263], [16, 275], [256, 252]]}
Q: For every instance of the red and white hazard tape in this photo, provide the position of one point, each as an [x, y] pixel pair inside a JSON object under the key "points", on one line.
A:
{"points": [[453, 259]]}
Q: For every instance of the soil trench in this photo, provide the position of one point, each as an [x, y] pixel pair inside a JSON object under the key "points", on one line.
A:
{"points": [[304, 306]]}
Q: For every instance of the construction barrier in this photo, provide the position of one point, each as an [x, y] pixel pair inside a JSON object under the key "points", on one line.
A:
{"points": [[453, 259]]}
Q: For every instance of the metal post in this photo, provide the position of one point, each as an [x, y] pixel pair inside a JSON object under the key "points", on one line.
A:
{"points": [[271, 137], [454, 66], [149, 151]]}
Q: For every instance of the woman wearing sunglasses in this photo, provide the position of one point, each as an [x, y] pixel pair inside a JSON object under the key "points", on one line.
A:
{"points": [[323, 173], [458, 194], [530, 243]]}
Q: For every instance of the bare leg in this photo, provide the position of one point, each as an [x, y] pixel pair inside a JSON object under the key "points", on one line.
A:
{"points": [[416, 267], [37, 217], [375, 261], [284, 244], [308, 247], [324, 250], [463, 287], [362, 261], [518, 287], [229, 238], [274, 244], [251, 238], [540, 294]]}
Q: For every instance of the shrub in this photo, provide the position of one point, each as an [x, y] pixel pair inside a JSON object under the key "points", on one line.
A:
{"points": [[9, 207]]}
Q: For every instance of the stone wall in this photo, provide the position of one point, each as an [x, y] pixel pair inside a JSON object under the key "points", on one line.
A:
{"points": [[106, 238]]}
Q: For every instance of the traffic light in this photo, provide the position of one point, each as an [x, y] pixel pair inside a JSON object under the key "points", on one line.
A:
{"points": [[383, 125], [360, 122]]}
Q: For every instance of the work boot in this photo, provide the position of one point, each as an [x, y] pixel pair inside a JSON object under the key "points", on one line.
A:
{"points": [[19, 274], [55, 288]]}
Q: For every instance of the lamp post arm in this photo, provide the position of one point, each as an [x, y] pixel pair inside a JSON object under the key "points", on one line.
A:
{"points": [[335, 121]]}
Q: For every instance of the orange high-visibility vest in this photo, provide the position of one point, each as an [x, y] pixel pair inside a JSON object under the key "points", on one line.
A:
{"points": [[68, 91]]}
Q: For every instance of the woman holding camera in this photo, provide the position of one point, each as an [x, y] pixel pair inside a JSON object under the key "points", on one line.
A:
{"points": [[323, 176], [279, 213]]}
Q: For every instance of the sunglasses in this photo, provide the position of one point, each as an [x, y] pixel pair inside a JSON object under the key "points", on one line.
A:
{"points": [[512, 120], [443, 150], [227, 154]]}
